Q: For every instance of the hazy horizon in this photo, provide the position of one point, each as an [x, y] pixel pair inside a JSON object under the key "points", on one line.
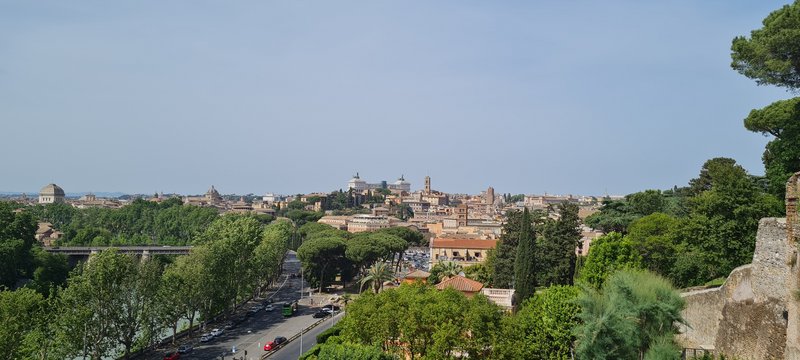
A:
{"points": [[295, 97]]}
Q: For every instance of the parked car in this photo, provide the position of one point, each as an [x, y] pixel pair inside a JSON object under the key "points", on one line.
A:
{"points": [[206, 338], [216, 332], [172, 356], [229, 325], [253, 310], [272, 345], [183, 349], [269, 307], [321, 314]]}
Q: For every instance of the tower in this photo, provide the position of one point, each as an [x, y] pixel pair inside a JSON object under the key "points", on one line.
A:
{"points": [[462, 215], [490, 195], [427, 184]]}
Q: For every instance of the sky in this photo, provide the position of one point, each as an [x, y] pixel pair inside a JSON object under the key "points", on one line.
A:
{"points": [[566, 97]]}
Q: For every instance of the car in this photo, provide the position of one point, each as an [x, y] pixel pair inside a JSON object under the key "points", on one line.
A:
{"points": [[206, 338], [242, 318], [172, 356], [272, 345], [253, 310], [183, 349], [269, 307], [216, 332], [321, 314], [229, 325], [332, 307]]}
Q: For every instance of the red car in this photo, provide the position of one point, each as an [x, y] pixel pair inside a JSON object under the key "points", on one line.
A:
{"points": [[274, 343], [172, 356]]}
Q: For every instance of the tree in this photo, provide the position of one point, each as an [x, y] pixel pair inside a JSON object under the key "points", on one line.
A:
{"points": [[770, 55], [525, 261], [444, 269], [608, 254], [322, 256], [17, 232], [137, 321], [350, 351], [501, 259], [20, 313], [781, 158], [422, 322], [556, 247], [653, 239], [377, 275], [542, 328], [634, 311], [479, 273], [94, 302]]}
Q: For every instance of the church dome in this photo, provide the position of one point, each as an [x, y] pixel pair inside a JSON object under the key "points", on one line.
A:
{"points": [[52, 190]]}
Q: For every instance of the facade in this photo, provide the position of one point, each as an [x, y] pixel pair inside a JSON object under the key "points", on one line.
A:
{"points": [[490, 195], [363, 222], [462, 215], [466, 252], [357, 184], [50, 194]]}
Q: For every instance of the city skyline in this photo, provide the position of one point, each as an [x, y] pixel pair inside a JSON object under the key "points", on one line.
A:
{"points": [[289, 98]]}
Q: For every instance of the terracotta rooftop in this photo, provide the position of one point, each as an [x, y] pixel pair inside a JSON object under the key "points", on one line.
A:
{"points": [[460, 283], [463, 243], [418, 274]]}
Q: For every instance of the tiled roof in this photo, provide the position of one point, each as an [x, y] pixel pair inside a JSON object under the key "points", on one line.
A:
{"points": [[460, 283], [463, 243], [418, 274]]}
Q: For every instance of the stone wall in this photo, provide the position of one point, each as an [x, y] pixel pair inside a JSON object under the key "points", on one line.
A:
{"points": [[753, 315]]}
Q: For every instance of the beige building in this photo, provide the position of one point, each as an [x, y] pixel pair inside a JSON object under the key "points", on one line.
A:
{"points": [[363, 222], [50, 194], [463, 251]]}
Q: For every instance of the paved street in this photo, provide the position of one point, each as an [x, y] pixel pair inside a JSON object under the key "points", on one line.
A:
{"points": [[252, 334]]}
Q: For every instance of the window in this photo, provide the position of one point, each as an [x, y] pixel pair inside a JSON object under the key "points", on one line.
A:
{"points": [[477, 254], [455, 253]]}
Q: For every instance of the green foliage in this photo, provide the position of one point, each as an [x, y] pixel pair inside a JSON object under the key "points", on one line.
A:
{"points": [[652, 238], [322, 257], [19, 314], [423, 321], [525, 260], [139, 223], [16, 241], [444, 269], [376, 275], [616, 216], [479, 273], [542, 329], [770, 55], [608, 254], [350, 351], [781, 158], [632, 313], [555, 249]]}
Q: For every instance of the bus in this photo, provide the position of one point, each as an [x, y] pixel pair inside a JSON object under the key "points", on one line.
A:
{"points": [[289, 308]]}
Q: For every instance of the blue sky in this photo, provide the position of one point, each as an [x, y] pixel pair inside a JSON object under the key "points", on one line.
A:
{"points": [[576, 97]]}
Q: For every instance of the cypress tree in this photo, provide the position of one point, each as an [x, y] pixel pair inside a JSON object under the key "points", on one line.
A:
{"points": [[524, 265]]}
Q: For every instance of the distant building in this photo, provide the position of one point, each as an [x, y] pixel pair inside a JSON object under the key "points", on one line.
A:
{"points": [[357, 184], [462, 214], [463, 251], [465, 285], [416, 275], [50, 194], [363, 222], [213, 196], [490, 195], [502, 297]]}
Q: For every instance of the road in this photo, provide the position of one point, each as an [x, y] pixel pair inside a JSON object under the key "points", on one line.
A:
{"points": [[252, 334], [292, 350]]}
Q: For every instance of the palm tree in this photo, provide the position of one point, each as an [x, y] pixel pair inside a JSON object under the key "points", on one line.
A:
{"points": [[446, 268], [377, 274]]}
